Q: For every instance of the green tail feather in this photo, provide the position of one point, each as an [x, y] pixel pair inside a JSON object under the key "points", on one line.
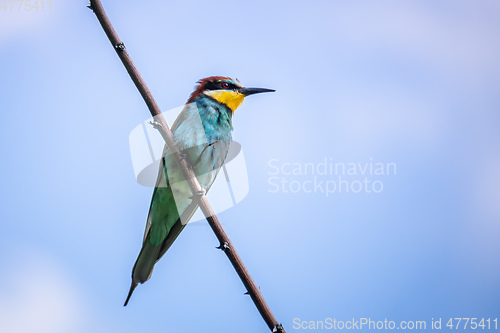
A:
{"points": [[143, 267]]}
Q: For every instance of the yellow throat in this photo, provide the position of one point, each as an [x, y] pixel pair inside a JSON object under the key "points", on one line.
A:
{"points": [[231, 98]]}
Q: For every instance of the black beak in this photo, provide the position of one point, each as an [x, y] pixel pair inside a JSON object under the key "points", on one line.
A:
{"points": [[251, 91]]}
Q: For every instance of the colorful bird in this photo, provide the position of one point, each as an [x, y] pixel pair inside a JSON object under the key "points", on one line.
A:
{"points": [[202, 133]]}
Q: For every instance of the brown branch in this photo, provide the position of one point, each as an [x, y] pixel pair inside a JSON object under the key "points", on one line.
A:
{"points": [[225, 243]]}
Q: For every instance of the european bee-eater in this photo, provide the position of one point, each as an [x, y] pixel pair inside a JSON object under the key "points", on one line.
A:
{"points": [[202, 133]]}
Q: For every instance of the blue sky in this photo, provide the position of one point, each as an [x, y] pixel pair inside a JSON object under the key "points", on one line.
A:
{"points": [[413, 83]]}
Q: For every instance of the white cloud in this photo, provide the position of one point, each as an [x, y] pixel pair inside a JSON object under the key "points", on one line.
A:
{"points": [[37, 297], [486, 191], [385, 114], [461, 39]]}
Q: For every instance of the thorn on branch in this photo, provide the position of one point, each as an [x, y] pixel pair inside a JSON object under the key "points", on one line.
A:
{"points": [[89, 6], [248, 293], [157, 125], [120, 46], [278, 328], [224, 247]]}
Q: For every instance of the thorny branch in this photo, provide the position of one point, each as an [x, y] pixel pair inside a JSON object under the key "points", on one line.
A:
{"points": [[213, 221]]}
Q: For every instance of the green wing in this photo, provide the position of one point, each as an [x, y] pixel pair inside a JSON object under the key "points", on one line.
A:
{"points": [[171, 207], [164, 224]]}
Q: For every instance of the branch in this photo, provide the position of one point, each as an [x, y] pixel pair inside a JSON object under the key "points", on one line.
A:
{"points": [[225, 243]]}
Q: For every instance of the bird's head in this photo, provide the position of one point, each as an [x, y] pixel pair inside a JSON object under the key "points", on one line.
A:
{"points": [[224, 90]]}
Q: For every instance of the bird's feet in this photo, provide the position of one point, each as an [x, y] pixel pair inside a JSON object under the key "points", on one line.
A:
{"points": [[198, 194], [184, 157], [190, 166]]}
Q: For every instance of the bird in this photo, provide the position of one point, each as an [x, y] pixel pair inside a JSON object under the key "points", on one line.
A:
{"points": [[202, 133]]}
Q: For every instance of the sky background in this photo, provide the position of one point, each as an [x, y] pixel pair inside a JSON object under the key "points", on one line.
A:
{"points": [[413, 83]]}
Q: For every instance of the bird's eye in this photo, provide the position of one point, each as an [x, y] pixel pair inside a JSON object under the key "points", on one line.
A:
{"points": [[225, 85]]}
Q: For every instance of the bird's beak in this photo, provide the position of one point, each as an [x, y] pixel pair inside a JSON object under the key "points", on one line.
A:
{"points": [[251, 91]]}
